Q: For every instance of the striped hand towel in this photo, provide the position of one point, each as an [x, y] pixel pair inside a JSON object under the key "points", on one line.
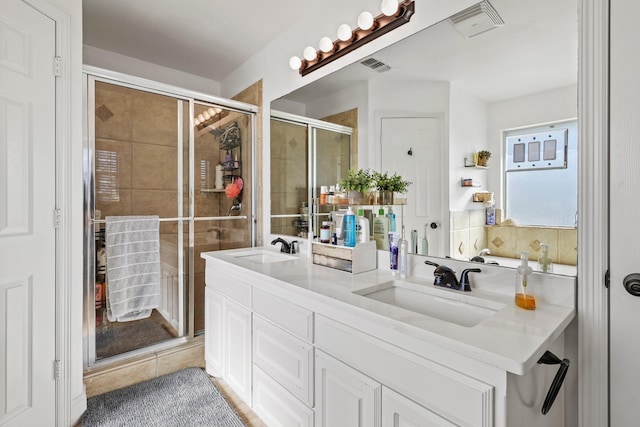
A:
{"points": [[133, 267]]}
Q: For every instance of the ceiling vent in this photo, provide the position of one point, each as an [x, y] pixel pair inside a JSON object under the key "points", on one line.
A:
{"points": [[375, 65], [476, 19]]}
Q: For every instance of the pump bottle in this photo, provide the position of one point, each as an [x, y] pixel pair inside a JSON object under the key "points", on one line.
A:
{"points": [[350, 228], [524, 292]]}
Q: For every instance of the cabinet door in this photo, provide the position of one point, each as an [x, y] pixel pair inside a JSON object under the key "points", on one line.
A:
{"points": [[344, 396], [237, 349], [214, 334], [398, 411]]}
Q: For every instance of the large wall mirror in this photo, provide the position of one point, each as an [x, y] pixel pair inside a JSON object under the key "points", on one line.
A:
{"points": [[426, 104]]}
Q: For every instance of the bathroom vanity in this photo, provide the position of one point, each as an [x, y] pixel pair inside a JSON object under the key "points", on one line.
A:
{"points": [[308, 345]]}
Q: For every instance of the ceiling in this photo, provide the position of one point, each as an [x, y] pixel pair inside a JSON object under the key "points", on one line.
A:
{"points": [[538, 43], [205, 38]]}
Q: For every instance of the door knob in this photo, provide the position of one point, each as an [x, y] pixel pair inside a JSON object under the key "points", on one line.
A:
{"points": [[632, 284], [433, 225]]}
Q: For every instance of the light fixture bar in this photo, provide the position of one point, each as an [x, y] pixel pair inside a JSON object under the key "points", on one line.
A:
{"points": [[382, 25]]}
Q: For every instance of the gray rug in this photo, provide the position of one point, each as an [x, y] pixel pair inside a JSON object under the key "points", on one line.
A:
{"points": [[184, 398]]}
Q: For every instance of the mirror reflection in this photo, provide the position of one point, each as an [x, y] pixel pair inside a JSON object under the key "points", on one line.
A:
{"points": [[428, 105]]}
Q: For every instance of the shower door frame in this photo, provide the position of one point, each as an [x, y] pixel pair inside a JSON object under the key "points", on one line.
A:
{"points": [[312, 125], [91, 75]]}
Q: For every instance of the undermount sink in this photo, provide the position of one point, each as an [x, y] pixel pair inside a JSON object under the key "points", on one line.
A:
{"points": [[460, 308], [263, 257]]}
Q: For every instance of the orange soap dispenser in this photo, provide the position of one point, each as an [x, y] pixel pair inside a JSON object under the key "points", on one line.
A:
{"points": [[524, 293]]}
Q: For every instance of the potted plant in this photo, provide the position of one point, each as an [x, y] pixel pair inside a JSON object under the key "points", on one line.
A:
{"points": [[483, 157], [388, 184], [356, 183]]}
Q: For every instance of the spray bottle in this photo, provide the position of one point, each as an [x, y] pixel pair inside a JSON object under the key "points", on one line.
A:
{"points": [[544, 262], [524, 293]]}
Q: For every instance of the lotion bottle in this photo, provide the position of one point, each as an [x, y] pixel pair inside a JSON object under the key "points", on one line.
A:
{"points": [[402, 256], [524, 293], [349, 228], [362, 227], [381, 230]]}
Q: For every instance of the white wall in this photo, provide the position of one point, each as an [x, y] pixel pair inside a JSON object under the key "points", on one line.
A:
{"points": [[135, 67], [540, 108], [467, 134]]}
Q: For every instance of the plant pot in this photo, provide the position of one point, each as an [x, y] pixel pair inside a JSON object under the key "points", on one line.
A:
{"points": [[482, 161], [355, 197], [385, 197]]}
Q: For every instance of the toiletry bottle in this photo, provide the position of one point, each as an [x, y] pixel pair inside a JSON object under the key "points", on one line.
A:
{"points": [[425, 242], [381, 230], [524, 292], [402, 256], [325, 232], [349, 228], [392, 220], [544, 262], [323, 194], [394, 238], [362, 227], [491, 216]]}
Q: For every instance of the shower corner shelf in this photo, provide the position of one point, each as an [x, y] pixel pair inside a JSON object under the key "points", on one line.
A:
{"points": [[212, 190]]}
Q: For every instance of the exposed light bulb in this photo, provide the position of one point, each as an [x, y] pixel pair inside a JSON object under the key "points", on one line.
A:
{"points": [[389, 7], [196, 121], [309, 53], [206, 115], [365, 20], [218, 110], [201, 118], [326, 44], [211, 112], [295, 63], [344, 32]]}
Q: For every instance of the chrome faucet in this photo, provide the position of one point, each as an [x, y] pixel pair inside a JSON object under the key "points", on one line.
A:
{"points": [[446, 277], [287, 247], [485, 251]]}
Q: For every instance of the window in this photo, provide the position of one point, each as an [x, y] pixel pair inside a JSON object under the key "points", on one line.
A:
{"points": [[541, 175]]}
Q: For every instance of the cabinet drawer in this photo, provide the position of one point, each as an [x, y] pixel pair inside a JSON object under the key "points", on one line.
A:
{"points": [[398, 411], [275, 406], [290, 317], [461, 399], [285, 358], [231, 287]]}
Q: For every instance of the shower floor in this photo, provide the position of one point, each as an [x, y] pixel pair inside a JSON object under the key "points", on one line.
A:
{"points": [[114, 338]]}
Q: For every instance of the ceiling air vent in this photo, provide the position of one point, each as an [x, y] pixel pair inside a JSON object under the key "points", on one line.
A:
{"points": [[375, 65], [476, 19]]}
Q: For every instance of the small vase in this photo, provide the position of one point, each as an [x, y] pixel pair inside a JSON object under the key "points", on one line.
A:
{"points": [[385, 197], [482, 161], [355, 197]]}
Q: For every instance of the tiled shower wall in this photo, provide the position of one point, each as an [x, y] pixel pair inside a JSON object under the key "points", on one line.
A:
{"points": [[469, 234]]}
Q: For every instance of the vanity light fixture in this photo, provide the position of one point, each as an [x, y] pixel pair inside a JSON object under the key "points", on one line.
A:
{"points": [[393, 15]]}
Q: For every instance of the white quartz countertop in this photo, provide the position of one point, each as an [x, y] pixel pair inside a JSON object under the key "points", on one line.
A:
{"points": [[513, 339]]}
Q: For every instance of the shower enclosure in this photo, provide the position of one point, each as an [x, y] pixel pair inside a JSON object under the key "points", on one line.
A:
{"points": [[152, 149], [305, 154]]}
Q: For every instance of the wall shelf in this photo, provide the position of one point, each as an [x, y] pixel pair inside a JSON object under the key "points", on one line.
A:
{"points": [[468, 164]]}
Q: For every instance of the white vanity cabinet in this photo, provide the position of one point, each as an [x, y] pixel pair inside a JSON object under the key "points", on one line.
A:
{"points": [[399, 411], [228, 332], [344, 396]]}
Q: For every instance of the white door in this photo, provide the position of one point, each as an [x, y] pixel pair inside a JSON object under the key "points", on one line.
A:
{"points": [[412, 147], [27, 202], [624, 213]]}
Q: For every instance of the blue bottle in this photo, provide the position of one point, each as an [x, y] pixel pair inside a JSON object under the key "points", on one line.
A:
{"points": [[349, 228]]}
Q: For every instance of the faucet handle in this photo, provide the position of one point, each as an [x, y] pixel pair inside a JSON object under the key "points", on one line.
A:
{"points": [[464, 278]]}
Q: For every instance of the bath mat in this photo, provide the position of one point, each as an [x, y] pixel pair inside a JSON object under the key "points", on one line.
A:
{"points": [[185, 398], [117, 338]]}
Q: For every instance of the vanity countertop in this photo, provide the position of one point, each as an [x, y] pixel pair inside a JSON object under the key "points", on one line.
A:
{"points": [[513, 339]]}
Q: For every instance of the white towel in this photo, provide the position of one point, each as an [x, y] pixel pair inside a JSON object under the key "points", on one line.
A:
{"points": [[133, 267]]}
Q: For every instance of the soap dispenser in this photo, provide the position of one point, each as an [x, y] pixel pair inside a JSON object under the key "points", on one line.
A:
{"points": [[544, 262], [524, 293], [350, 228]]}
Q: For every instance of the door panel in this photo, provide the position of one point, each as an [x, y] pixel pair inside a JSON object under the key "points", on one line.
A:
{"points": [[423, 168], [624, 206], [27, 203]]}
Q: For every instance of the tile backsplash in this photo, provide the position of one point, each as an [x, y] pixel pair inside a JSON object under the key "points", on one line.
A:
{"points": [[469, 234]]}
